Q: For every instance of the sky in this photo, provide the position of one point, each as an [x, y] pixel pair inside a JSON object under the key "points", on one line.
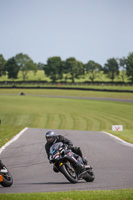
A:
{"points": [[85, 29]]}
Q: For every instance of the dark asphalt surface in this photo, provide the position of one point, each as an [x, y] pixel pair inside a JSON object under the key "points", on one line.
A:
{"points": [[26, 159]]}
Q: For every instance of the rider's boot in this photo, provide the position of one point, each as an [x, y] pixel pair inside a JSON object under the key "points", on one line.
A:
{"points": [[55, 169]]}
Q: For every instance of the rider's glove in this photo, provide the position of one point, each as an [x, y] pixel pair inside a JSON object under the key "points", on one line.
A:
{"points": [[65, 146], [69, 146]]}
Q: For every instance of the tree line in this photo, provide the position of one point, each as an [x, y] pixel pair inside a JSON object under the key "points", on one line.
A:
{"points": [[55, 68]]}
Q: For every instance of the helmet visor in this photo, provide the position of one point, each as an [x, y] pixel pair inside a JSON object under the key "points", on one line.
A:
{"points": [[50, 139]]}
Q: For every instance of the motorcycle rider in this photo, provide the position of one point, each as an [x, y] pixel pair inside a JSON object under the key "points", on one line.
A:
{"points": [[1, 165], [52, 138]]}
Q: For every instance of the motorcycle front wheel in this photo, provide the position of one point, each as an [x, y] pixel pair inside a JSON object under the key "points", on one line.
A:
{"points": [[69, 173]]}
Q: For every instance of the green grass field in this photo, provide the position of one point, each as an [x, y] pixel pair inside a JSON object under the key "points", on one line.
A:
{"points": [[125, 194], [17, 112]]}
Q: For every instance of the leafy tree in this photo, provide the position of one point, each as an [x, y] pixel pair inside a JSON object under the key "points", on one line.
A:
{"points": [[129, 69], [54, 68], [25, 64], [12, 68], [111, 68], [2, 64], [40, 66], [123, 65], [93, 68], [80, 69], [74, 67]]}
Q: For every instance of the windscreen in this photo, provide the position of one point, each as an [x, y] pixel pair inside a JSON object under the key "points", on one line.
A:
{"points": [[55, 146]]}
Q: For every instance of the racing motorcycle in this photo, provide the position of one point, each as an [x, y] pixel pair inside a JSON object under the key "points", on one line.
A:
{"points": [[69, 164], [6, 179]]}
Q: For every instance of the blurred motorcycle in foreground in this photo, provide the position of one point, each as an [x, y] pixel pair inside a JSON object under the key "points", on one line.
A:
{"points": [[6, 179]]}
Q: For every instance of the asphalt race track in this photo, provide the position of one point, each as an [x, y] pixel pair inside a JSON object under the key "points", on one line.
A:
{"points": [[112, 162]]}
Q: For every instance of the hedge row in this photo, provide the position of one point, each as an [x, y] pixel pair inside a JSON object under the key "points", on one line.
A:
{"points": [[68, 88], [65, 83]]}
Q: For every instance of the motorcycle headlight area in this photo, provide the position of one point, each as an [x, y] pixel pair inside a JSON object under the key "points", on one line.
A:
{"points": [[56, 155]]}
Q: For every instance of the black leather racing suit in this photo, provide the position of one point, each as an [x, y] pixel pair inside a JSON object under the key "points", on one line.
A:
{"points": [[64, 140]]}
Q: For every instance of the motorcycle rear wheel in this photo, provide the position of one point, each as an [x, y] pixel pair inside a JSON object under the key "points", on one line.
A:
{"points": [[7, 180], [69, 173], [89, 177]]}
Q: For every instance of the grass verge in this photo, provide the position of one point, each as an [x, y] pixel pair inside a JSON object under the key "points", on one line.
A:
{"points": [[125, 194]]}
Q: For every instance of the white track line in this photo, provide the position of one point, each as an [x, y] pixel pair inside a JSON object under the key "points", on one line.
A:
{"points": [[120, 140], [13, 139]]}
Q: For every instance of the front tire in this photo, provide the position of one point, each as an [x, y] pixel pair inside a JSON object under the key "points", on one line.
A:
{"points": [[69, 173]]}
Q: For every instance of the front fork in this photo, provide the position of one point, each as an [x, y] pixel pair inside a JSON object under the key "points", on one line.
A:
{"points": [[77, 164]]}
